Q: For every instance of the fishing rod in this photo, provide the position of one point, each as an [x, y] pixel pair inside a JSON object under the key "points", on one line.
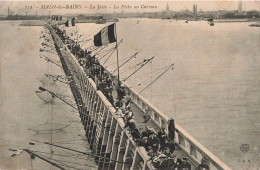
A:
{"points": [[64, 163], [126, 61], [64, 77], [156, 73], [113, 48], [130, 67], [112, 51], [84, 41], [56, 95], [157, 78], [56, 78], [101, 49], [38, 156], [48, 44], [109, 56], [116, 62], [147, 61], [49, 51], [85, 153], [50, 60]]}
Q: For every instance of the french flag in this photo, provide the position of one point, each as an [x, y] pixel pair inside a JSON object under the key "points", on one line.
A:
{"points": [[105, 36]]}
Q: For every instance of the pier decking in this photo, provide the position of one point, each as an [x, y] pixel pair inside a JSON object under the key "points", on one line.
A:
{"points": [[105, 129]]}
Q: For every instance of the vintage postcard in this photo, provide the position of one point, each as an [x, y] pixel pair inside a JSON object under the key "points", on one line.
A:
{"points": [[125, 85]]}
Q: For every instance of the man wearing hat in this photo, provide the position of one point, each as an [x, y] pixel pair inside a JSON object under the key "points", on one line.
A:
{"points": [[162, 137], [174, 163], [185, 164], [203, 165]]}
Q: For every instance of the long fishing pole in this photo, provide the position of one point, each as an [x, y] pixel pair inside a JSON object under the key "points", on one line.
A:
{"points": [[50, 60], [50, 162], [156, 78], [101, 49], [56, 78], [109, 56], [54, 94], [147, 61], [85, 153], [126, 61], [114, 48], [44, 50]]}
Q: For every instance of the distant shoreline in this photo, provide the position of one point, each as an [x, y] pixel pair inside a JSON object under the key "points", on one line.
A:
{"points": [[230, 20]]}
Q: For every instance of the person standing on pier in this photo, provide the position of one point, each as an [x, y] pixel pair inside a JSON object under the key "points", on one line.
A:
{"points": [[146, 116], [203, 165], [162, 137], [185, 165]]}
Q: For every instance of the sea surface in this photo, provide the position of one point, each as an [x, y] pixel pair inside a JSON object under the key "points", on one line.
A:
{"points": [[213, 90], [22, 73]]}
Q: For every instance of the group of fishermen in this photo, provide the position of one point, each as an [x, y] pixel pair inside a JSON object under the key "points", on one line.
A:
{"points": [[160, 146]]}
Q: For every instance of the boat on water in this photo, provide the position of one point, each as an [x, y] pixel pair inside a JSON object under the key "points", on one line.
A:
{"points": [[255, 25], [231, 20], [187, 21], [211, 23], [101, 21]]}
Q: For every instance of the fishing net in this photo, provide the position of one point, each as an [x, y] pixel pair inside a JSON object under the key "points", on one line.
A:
{"points": [[48, 127], [45, 96]]}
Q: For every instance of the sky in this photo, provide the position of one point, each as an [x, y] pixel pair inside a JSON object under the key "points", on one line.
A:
{"points": [[92, 7]]}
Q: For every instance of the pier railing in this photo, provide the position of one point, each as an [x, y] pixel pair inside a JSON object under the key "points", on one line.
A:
{"points": [[186, 142], [117, 142], [104, 129]]}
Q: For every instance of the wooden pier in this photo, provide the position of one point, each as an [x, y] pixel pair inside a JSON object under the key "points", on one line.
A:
{"points": [[113, 145]]}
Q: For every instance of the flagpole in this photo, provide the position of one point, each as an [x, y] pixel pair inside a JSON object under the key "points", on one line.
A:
{"points": [[76, 30], [117, 58]]}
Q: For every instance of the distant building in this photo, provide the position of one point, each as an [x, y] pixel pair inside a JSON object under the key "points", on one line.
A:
{"points": [[167, 7], [240, 11], [167, 12], [195, 10]]}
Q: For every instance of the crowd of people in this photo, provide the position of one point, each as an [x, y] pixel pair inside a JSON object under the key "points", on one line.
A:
{"points": [[159, 146]]}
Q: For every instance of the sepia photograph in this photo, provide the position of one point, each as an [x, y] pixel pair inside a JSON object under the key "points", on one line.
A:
{"points": [[130, 85]]}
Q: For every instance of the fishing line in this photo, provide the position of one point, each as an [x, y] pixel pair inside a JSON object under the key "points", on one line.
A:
{"points": [[146, 79], [131, 67], [101, 49], [173, 91], [109, 56], [96, 156], [62, 161], [112, 51], [142, 65], [59, 163], [156, 78], [96, 121], [116, 62]]}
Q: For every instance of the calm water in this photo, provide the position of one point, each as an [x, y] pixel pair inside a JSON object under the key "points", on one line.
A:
{"points": [[21, 70], [212, 92]]}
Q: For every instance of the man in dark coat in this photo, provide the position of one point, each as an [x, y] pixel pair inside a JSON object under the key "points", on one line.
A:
{"points": [[203, 165], [154, 142], [185, 164], [162, 137]]}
